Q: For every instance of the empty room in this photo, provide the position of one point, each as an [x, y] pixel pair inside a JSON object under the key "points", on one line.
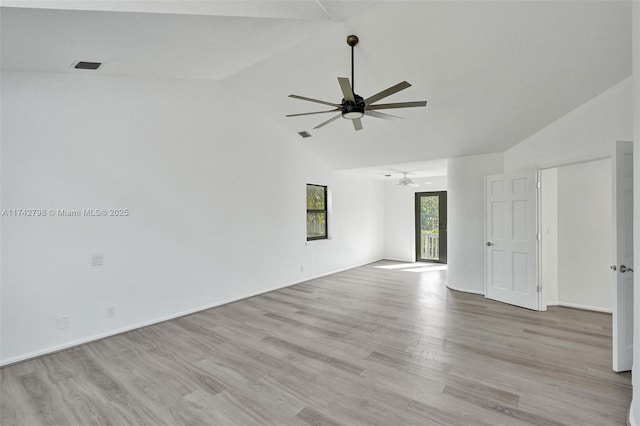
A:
{"points": [[314, 212]]}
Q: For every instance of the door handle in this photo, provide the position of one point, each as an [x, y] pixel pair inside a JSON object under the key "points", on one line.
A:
{"points": [[624, 269], [489, 244]]}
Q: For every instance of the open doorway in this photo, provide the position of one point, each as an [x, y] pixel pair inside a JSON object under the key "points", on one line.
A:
{"points": [[585, 260], [431, 226], [576, 235]]}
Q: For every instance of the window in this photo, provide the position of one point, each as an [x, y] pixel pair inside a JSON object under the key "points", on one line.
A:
{"points": [[316, 212]]}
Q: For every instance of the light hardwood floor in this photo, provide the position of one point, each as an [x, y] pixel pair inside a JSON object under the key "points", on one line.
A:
{"points": [[366, 346]]}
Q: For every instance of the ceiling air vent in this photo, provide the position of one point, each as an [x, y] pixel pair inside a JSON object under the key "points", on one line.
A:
{"points": [[305, 134], [88, 65]]}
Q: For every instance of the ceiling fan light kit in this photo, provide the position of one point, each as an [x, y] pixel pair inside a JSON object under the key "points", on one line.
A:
{"points": [[353, 107], [352, 114]]}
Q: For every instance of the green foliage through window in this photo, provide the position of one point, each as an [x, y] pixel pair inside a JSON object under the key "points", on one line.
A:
{"points": [[316, 212], [429, 214]]}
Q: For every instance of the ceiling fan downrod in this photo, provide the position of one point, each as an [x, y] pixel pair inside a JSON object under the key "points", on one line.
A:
{"points": [[352, 40]]}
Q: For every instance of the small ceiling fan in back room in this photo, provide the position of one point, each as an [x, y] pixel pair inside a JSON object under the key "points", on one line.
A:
{"points": [[353, 107], [406, 181]]}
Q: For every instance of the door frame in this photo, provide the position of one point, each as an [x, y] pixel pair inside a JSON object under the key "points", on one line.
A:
{"points": [[442, 224]]}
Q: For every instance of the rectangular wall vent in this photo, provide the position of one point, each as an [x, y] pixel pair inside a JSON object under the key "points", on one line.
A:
{"points": [[88, 65], [305, 134]]}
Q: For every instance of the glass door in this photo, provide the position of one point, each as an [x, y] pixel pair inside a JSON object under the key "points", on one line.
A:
{"points": [[431, 227]]}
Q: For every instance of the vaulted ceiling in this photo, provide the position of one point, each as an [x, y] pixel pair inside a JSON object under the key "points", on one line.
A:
{"points": [[493, 72]]}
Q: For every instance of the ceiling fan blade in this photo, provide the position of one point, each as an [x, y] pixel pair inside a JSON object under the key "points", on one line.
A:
{"points": [[311, 113], [398, 105], [387, 92], [324, 123], [357, 124], [345, 86], [377, 114], [314, 100]]}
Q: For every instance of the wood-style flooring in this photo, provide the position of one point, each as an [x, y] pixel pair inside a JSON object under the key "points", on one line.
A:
{"points": [[384, 344]]}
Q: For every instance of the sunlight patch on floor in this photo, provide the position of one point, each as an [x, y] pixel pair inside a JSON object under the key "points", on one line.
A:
{"points": [[427, 268], [415, 267]]}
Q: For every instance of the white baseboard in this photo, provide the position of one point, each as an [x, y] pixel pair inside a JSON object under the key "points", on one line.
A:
{"points": [[449, 286], [583, 307], [565, 304], [73, 343]]}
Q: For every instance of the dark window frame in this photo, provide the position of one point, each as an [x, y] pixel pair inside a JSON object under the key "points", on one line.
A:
{"points": [[325, 211]]}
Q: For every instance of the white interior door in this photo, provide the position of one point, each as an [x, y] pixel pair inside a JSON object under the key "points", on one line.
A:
{"points": [[623, 256], [511, 245]]}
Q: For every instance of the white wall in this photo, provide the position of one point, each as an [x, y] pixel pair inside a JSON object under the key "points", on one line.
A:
{"points": [[586, 133], [585, 235], [399, 217], [634, 414], [549, 240], [217, 206], [465, 197]]}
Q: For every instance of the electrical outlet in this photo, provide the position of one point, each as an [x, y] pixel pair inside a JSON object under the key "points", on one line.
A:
{"points": [[111, 312], [62, 322], [97, 260]]}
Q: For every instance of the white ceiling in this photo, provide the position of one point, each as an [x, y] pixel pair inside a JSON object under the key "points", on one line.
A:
{"points": [[142, 44], [493, 72], [414, 170], [291, 9]]}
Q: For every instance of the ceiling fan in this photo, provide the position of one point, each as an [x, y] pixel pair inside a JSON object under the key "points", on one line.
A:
{"points": [[405, 181], [353, 107]]}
